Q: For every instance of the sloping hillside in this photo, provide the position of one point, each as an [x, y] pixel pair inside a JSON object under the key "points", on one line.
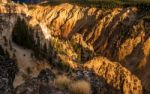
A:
{"points": [[112, 44], [121, 35]]}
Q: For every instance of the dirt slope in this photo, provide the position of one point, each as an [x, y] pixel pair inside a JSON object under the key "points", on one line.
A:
{"points": [[75, 35]]}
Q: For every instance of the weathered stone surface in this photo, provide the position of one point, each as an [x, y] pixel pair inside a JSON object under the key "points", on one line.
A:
{"points": [[120, 34], [115, 75], [43, 84], [8, 70]]}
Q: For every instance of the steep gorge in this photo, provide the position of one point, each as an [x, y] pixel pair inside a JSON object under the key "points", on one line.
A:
{"points": [[79, 34], [121, 35]]}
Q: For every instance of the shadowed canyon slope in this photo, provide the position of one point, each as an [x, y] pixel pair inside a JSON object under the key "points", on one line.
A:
{"points": [[114, 44], [121, 35]]}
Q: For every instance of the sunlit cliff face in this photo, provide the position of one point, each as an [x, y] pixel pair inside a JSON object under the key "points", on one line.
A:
{"points": [[5, 1], [112, 43]]}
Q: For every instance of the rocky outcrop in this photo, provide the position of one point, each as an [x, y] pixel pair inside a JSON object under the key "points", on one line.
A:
{"points": [[71, 35], [8, 70], [120, 34], [43, 84], [115, 75]]}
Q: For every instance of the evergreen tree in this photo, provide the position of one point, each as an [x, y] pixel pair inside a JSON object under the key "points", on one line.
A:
{"points": [[22, 34]]}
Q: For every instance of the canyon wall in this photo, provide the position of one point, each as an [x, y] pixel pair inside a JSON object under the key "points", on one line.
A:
{"points": [[112, 43]]}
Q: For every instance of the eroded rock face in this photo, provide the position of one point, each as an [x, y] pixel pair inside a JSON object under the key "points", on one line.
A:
{"points": [[120, 34], [73, 35], [116, 75]]}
